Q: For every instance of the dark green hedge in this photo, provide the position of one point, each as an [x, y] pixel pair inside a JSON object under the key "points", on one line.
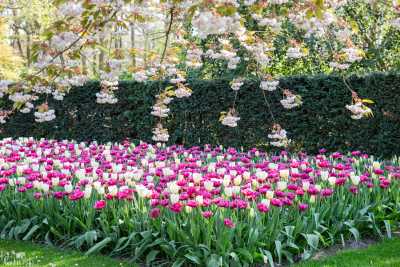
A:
{"points": [[322, 121]]}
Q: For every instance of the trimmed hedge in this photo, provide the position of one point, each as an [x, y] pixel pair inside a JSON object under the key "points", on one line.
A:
{"points": [[322, 120]]}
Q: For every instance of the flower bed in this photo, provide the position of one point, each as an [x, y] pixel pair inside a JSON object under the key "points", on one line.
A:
{"points": [[185, 206]]}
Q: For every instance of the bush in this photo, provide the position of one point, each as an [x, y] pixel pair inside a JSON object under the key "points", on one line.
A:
{"points": [[322, 121]]}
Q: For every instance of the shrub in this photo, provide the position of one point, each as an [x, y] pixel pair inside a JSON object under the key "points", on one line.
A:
{"points": [[322, 121]]}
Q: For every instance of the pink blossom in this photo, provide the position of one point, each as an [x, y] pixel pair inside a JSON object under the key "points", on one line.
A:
{"points": [[303, 207], [155, 213], [207, 214], [262, 207], [76, 195], [229, 223], [100, 204], [176, 207]]}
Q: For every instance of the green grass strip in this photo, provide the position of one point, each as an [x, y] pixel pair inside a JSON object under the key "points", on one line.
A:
{"points": [[385, 254], [19, 253]]}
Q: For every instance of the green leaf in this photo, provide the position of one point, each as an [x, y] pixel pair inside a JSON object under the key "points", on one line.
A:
{"points": [[388, 228], [246, 254], [193, 258], [99, 246], [278, 249], [178, 263], [267, 257], [369, 101], [151, 256], [312, 240], [355, 233], [31, 232], [214, 261]]}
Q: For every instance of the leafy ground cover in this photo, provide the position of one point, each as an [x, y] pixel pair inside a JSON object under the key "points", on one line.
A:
{"points": [[22, 253]]}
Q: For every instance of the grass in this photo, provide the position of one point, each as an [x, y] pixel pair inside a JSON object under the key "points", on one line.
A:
{"points": [[18, 253], [384, 254], [21, 254]]}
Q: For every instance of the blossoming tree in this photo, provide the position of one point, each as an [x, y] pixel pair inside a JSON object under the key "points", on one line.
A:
{"points": [[234, 33]]}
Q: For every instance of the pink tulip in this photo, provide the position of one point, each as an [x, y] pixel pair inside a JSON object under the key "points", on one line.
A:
{"points": [[303, 207], [229, 223], [207, 214], [262, 207], [155, 213], [100, 204]]}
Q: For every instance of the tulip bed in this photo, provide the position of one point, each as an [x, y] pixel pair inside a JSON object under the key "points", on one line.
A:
{"points": [[192, 206]]}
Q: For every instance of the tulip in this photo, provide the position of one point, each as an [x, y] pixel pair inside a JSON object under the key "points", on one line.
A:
{"points": [[262, 207], [207, 214], [100, 204], [281, 185], [269, 194], [68, 188], [303, 207], [229, 223], [284, 174]]}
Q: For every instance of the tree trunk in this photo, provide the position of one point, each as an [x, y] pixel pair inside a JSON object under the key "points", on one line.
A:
{"points": [[133, 54]]}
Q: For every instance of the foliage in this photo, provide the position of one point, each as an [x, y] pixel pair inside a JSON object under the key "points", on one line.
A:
{"points": [[210, 38], [196, 206], [322, 120]]}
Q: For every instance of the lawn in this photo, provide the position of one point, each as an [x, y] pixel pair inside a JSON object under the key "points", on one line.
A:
{"points": [[19, 253], [384, 254]]}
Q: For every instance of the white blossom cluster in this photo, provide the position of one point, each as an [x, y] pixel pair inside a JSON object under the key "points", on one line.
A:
{"points": [[160, 111], [294, 52], [259, 51], [57, 95], [359, 110], [236, 84], [70, 9], [313, 26], [278, 137], [352, 54], [269, 85], [63, 40], [23, 100], [396, 23], [225, 54], [182, 91], [140, 76], [4, 115], [27, 107], [273, 23], [42, 89], [230, 119], [4, 87], [105, 98], [207, 23], [43, 116], [343, 35], [106, 95], [291, 101], [160, 134], [193, 58], [278, 2], [249, 2], [20, 97]]}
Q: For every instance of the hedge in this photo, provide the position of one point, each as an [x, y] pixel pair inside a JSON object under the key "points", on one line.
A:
{"points": [[321, 122]]}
